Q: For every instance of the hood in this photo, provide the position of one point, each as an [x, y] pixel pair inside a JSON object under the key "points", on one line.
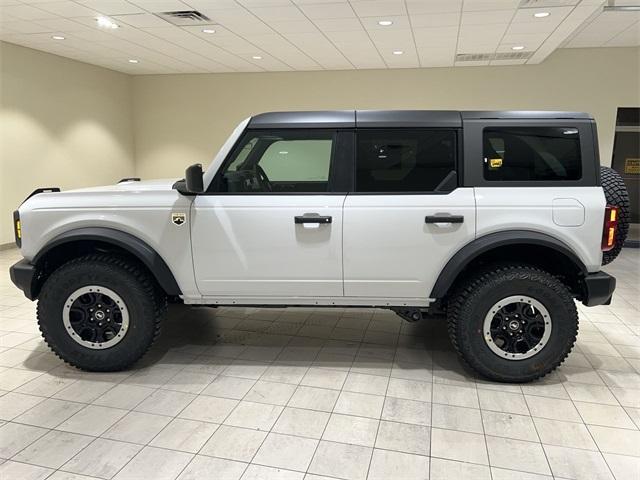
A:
{"points": [[125, 194], [130, 186]]}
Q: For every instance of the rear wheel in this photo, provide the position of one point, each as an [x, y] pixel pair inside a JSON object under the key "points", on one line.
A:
{"points": [[513, 324], [100, 312], [615, 191]]}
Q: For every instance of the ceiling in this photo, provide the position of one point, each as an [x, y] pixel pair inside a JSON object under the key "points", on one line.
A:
{"points": [[284, 35]]}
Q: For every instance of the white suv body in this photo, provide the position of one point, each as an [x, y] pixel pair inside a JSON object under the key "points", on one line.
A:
{"points": [[245, 238]]}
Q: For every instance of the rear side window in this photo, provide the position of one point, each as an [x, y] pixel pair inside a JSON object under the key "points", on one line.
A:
{"points": [[405, 160], [531, 154]]}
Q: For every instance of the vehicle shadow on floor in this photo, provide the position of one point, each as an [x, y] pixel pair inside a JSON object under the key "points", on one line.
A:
{"points": [[246, 342], [220, 340]]}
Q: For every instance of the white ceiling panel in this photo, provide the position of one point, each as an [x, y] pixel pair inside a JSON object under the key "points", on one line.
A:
{"points": [[141, 20], [282, 35], [378, 8], [67, 9], [111, 7], [339, 25], [161, 5], [300, 26], [608, 29], [323, 11], [418, 7], [629, 38], [278, 14], [22, 26], [435, 20], [400, 22], [26, 12], [556, 15], [488, 17]]}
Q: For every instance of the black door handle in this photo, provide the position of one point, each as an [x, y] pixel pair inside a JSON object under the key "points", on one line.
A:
{"points": [[443, 219], [311, 219]]}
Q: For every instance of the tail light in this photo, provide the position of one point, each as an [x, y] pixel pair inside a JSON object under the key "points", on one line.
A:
{"points": [[610, 227]]}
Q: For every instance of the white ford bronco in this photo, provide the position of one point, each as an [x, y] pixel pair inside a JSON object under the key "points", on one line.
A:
{"points": [[500, 220]]}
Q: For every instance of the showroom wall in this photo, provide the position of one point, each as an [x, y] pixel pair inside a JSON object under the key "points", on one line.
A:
{"points": [[183, 119], [69, 124], [62, 123]]}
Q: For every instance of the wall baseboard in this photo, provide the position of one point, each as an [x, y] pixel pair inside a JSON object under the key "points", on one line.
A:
{"points": [[7, 246]]}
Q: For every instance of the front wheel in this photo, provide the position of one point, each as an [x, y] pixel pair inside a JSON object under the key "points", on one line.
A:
{"points": [[100, 312], [513, 324]]}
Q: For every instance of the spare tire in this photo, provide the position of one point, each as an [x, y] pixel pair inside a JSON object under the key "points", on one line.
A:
{"points": [[615, 191]]}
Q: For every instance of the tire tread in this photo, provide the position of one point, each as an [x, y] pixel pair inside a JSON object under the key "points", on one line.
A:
{"points": [[465, 292], [147, 283]]}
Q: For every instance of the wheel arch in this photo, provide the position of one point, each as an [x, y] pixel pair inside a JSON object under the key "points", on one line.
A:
{"points": [[79, 241], [527, 247]]}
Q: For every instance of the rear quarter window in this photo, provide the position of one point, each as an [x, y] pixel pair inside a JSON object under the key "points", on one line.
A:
{"points": [[531, 154]]}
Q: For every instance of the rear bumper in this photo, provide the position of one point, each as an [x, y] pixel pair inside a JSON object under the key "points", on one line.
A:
{"points": [[598, 289], [22, 275]]}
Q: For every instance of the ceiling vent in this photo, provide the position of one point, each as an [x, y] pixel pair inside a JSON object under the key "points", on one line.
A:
{"points": [[183, 18], [522, 55], [547, 3], [474, 57], [486, 57]]}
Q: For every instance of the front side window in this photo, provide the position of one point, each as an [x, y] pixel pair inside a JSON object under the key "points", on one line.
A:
{"points": [[405, 160], [279, 161], [531, 154]]}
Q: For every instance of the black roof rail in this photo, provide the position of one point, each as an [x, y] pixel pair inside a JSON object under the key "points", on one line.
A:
{"points": [[130, 179]]}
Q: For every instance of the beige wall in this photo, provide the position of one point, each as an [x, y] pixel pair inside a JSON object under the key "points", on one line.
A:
{"points": [[183, 119], [62, 123], [69, 124]]}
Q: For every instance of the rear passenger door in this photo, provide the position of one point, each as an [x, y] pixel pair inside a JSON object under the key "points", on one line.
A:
{"points": [[407, 215]]}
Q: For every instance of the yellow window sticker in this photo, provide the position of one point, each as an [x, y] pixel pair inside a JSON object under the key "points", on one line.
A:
{"points": [[495, 162], [632, 166]]}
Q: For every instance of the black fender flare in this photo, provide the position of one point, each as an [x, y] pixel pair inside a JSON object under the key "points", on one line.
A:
{"points": [[477, 247], [130, 243]]}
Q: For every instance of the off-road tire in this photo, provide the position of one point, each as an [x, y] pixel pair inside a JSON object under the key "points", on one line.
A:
{"points": [[471, 302], [146, 304], [615, 191]]}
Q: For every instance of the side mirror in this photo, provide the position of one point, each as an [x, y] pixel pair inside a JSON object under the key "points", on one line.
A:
{"points": [[193, 178]]}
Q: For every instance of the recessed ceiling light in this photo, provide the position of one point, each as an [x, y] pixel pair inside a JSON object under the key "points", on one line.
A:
{"points": [[385, 23], [133, 60], [541, 14], [257, 57], [398, 52], [58, 37], [104, 22], [208, 30], [517, 47]]}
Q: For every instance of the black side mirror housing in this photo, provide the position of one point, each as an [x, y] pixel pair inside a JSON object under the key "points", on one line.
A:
{"points": [[193, 178]]}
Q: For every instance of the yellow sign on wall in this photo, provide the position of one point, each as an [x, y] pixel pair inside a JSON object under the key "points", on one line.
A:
{"points": [[632, 166]]}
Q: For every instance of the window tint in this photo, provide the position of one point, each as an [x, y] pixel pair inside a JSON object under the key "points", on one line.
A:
{"points": [[279, 161], [404, 160], [531, 153]]}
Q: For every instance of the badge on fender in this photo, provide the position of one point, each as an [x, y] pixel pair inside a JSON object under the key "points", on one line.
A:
{"points": [[179, 218]]}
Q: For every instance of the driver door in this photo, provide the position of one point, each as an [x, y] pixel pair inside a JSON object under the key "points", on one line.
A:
{"points": [[270, 224]]}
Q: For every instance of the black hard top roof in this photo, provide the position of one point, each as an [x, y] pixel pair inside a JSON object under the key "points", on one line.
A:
{"points": [[395, 118]]}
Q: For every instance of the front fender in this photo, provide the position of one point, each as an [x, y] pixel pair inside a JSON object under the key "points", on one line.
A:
{"points": [[133, 245]]}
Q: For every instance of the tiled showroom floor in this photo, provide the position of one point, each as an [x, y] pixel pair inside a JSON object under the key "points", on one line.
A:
{"points": [[310, 393]]}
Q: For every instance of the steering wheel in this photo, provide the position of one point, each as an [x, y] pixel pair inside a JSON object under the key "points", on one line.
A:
{"points": [[263, 179]]}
